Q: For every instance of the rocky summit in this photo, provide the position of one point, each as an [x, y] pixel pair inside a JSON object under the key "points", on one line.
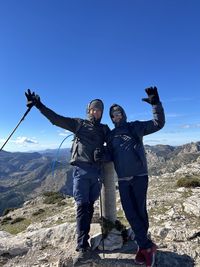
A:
{"points": [[43, 234], [42, 231]]}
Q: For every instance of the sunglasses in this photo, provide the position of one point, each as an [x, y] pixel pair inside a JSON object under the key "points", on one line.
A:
{"points": [[116, 114]]}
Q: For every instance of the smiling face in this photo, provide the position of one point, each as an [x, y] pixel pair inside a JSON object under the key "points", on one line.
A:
{"points": [[116, 116], [96, 113]]}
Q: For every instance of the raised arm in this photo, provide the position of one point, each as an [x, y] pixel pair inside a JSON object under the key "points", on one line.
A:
{"points": [[147, 127], [71, 124]]}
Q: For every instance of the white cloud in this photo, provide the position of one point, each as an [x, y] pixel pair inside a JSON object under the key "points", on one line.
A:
{"points": [[64, 133], [190, 126], [25, 140], [155, 141], [174, 115]]}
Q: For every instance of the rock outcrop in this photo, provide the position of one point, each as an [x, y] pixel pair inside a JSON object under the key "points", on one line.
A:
{"points": [[49, 237]]}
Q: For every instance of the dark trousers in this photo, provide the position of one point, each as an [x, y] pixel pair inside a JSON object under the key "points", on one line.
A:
{"points": [[133, 196], [86, 190]]}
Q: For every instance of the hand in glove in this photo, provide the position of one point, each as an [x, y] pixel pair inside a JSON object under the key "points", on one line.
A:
{"points": [[32, 99], [153, 97], [98, 155]]}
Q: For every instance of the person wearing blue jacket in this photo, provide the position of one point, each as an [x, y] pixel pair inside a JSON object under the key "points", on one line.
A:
{"points": [[128, 154]]}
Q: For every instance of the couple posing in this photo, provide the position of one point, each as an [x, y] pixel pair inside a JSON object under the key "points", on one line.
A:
{"points": [[125, 146]]}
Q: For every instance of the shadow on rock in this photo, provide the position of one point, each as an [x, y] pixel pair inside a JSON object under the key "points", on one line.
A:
{"points": [[124, 257], [169, 259], [129, 247]]}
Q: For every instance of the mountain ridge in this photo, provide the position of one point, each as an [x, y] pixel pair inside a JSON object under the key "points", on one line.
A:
{"points": [[25, 175]]}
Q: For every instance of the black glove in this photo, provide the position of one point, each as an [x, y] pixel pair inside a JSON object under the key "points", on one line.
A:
{"points": [[32, 99], [98, 155], [153, 97]]}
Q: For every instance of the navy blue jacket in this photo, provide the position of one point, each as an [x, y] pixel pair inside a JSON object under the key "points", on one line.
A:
{"points": [[126, 143]]}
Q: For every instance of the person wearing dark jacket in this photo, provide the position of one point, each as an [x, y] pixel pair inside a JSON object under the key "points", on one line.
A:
{"points": [[87, 150], [128, 154]]}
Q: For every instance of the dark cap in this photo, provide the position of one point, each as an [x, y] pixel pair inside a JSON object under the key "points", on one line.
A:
{"points": [[96, 103]]}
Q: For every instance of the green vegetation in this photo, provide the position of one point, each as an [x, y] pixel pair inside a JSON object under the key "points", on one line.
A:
{"points": [[158, 210], [187, 193], [6, 211], [14, 226], [122, 218], [38, 212], [189, 181], [108, 226], [9, 220], [61, 203], [6, 220], [17, 220], [53, 197]]}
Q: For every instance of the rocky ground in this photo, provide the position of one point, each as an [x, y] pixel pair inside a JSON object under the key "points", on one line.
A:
{"points": [[175, 217], [44, 235]]}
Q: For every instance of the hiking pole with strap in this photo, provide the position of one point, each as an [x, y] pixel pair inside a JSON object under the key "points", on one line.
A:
{"points": [[25, 114], [101, 214], [101, 209]]}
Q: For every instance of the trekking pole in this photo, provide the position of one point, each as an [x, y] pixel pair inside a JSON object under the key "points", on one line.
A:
{"points": [[16, 127], [101, 214], [101, 208]]}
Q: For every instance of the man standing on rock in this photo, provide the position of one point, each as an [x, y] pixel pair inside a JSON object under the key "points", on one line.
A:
{"points": [[87, 150], [126, 146]]}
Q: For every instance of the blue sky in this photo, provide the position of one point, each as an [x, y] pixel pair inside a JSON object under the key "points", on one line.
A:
{"points": [[72, 51]]}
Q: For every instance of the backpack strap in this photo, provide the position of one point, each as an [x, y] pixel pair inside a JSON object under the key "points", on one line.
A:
{"points": [[77, 130], [79, 127], [75, 139]]}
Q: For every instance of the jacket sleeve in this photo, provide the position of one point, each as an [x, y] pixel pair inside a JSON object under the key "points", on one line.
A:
{"points": [[147, 127], [71, 124]]}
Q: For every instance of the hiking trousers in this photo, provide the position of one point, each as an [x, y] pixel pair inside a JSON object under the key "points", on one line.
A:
{"points": [[133, 194], [86, 190]]}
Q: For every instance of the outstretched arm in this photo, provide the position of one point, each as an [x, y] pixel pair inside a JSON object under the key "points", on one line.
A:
{"points": [[67, 123]]}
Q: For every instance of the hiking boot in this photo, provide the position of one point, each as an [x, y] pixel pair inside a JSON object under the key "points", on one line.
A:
{"points": [[139, 258], [149, 255], [83, 257]]}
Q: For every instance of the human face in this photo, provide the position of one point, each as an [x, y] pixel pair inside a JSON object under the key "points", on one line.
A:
{"points": [[116, 116], [96, 112]]}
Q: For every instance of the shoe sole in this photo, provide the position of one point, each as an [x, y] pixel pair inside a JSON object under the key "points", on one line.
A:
{"points": [[139, 262]]}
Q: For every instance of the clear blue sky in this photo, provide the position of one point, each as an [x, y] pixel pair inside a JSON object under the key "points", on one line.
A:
{"points": [[71, 51]]}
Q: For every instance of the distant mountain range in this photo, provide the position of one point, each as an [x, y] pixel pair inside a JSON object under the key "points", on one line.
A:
{"points": [[164, 159], [26, 175]]}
